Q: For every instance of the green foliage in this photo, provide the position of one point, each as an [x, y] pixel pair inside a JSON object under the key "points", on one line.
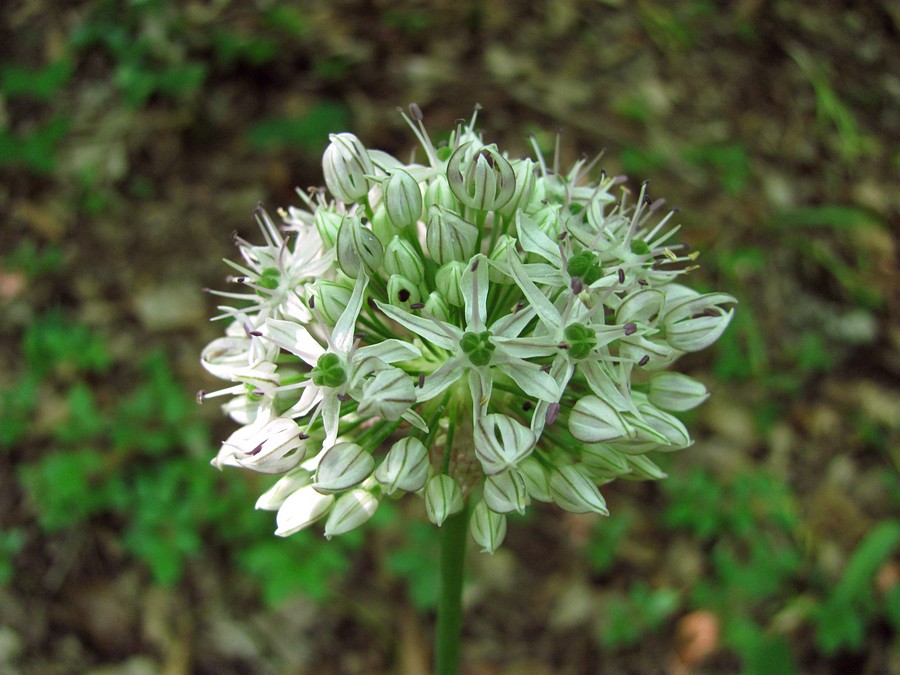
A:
{"points": [[728, 163], [416, 561], [40, 84], [309, 131], [34, 150], [53, 343], [629, 619], [11, 542], [605, 539], [842, 619], [34, 262]]}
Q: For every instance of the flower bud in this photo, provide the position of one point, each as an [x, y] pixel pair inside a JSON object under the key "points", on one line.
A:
{"points": [[448, 236], [273, 498], [358, 249], [505, 492], [575, 492], [537, 482], [696, 333], [674, 391], [604, 462], [400, 257], [442, 498], [593, 420], [669, 427], [331, 299], [438, 193], [501, 442], [437, 306], [447, 282], [301, 509], [388, 394], [351, 510], [405, 467], [488, 529], [401, 292], [272, 447], [643, 468], [346, 165], [342, 467], [226, 355], [382, 226], [327, 224], [484, 182], [402, 199], [498, 272], [525, 180]]}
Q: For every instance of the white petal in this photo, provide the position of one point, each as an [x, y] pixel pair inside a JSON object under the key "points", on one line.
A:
{"points": [[544, 308], [294, 338], [438, 333], [342, 467], [437, 382], [388, 351], [342, 336], [501, 442], [475, 303], [488, 529], [593, 420], [302, 509], [534, 240], [532, 380]]}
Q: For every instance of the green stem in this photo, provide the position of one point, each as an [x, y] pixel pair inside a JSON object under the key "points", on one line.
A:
{"points": [[448, 639]]}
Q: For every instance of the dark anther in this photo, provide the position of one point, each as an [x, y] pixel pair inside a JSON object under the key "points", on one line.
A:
{"points": [[303, 437], [257, 449], [343, 397], [545, 368], [630, 328], [312, 302], [552, 412], [255, 333], [709, 311], [417, 305], [519, 307], [421, 381], [642, 282], [644, 360], [647, 200], [200, 396], [545, 202], [258, 392], [359, 336], [577, 285], [528, 405], [621, 276], [403, 295], [416, 112], [562, 345]]}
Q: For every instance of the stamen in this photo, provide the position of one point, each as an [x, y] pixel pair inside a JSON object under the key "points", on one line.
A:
{"points": [[417, 305], [630, 328], [621, 276], [645, 359], [552, 412], [421, 381], [303, 436], [200, 395]]}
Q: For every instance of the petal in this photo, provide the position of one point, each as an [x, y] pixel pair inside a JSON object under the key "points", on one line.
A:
{"points": [[474, 288], [488, 529], [388, 351], [437, 332], [501, 442], [302, 509], [342, 467], [342, 335], [437, 382], [294, 338], [575, 492], [593, 420], [548, 314], [534, 240], [532, 380]]}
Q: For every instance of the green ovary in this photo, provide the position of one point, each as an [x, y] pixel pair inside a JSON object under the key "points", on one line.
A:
{"points": [[581, 340], [478, 347], [328, 371]]}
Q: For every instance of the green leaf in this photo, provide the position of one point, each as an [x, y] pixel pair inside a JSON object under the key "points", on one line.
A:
{"points": [[309, 132]]}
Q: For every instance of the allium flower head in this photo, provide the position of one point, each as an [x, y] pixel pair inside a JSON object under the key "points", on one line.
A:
{"points": [[473, 328]]}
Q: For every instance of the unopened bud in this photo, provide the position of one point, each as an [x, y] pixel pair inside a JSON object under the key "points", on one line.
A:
{"points": [[342, 467], [525, 180], [346, 165], [448, 236], [358, 249], [485, 181], [488, 529], [401, 292], [437, 306], [327, 224], [402, 199], [506, 492], [438, 193], [400, 257], [351, 510], [575, 492], [405, 467], [442, 498], [677, 392], [331, 299], [447, 281]]}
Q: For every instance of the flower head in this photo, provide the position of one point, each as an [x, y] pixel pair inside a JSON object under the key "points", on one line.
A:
{"points": [[472, 328]]}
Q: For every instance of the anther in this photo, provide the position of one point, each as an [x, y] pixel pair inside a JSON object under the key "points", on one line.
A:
{"points": [[421, 381], [621, 276], [577, 285], [545, 368], [258, 392], [343, 397], [552, 412], [303, 436], [644, 360], [256, 450], [255, 333], [417, 305], [312, 302], [200, 396], [630, 328], [562, 345], [416, 112]]}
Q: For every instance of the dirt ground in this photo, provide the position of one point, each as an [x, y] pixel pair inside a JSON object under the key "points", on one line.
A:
{"points": [[773, 126]]}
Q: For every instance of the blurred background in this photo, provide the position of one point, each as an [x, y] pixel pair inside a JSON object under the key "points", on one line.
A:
{"points": [[135, 137]]}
